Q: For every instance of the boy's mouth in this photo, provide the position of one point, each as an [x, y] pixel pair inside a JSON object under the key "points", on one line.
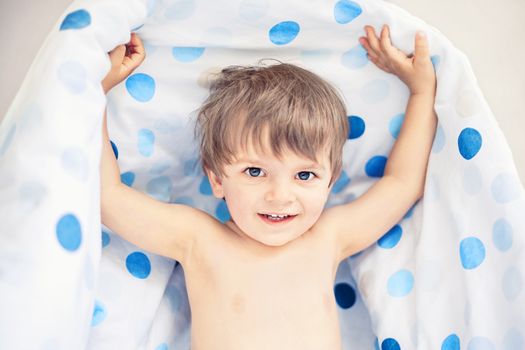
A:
{"points": [[276, 218]]}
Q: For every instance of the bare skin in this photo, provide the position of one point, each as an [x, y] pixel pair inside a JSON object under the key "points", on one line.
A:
{"points": [[265, 282]]}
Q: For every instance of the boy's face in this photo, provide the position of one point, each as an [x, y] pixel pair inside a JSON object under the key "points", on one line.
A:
{"points": [[274, 200]]}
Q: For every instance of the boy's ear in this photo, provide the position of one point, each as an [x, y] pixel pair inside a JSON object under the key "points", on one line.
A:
{"points": [[216, 184]]}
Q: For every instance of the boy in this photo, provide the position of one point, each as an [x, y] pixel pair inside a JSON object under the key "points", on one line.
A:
{"points": [[271, 145]]}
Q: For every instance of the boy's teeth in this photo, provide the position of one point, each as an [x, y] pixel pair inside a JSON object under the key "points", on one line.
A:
{"points": [[275, 216]]}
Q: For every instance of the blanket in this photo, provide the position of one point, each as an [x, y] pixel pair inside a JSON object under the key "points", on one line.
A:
{"points": [[448, 276]]}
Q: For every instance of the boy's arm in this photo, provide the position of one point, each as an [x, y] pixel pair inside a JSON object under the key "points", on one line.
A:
{"points": [[362, 222], [161, 228]]}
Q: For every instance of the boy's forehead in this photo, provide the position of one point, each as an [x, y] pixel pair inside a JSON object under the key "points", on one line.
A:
{"points": [[263, 151]]}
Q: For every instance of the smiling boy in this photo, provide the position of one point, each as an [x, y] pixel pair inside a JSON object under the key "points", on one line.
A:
{"points": [[271, 145]]}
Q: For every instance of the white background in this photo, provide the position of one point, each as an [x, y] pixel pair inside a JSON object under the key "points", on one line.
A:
{"points": [[490, 33]]}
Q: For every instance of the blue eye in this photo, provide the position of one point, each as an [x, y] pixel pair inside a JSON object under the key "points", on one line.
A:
{"points": [[305, 175], [254, 172]]}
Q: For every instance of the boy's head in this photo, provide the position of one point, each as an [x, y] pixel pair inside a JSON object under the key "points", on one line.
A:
{"points": [[271, 145], [274, 108]]}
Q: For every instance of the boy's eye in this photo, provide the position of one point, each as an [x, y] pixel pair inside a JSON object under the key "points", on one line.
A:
{"points": [[254, 172], [305, 175]]}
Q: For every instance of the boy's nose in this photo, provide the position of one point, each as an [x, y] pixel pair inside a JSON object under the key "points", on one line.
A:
{"points": [[279, 192]]}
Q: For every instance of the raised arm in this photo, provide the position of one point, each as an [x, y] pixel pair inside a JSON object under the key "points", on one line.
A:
{"points": [[158, 227], [363, 221]]}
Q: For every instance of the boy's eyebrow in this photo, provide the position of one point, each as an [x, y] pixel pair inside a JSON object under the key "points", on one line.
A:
{"points": [[312, 165]]}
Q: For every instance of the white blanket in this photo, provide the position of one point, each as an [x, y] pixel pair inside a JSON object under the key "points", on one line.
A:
{"points": [[450, 275]]}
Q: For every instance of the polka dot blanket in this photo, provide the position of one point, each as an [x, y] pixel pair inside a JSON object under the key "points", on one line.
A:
{"points": [[449, 275]]}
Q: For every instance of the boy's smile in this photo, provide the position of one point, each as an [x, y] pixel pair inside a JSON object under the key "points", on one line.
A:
{"points": [[271, 199]]}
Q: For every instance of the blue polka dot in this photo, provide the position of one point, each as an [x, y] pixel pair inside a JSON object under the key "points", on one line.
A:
{"points": [[31, 195], [76, 20], [141, 87], [375, 167], [505, 188], [146, 141], [356, 127], [99, 314], [395, 124], [346, 11], [480, 343], [185, 200], [222, 213], [180, 9], [512, 283], [341, 182], [187, 54], [375, 91], [284, 32], [344, 295], [469, 143], [435, 61], [472, 252], [114, 148], [355, 57], [191, 167], [69, 232], [127, 178], [160, 188], [390, 344], [439, 140], [162, 346], [105, 239], [400, 283], [451, 343], [75, 163], [73, 76], [513, 340], [8, 139], [159, 168], [138, 265], [391, 238], [205, 186], [502, 235], [376, 344]]}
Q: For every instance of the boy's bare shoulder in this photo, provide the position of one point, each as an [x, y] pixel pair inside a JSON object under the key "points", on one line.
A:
{"points": [[207, 231]]}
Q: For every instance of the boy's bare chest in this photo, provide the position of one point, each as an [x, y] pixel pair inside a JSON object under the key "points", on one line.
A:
{"points": [[282, 295], [308, 266]]}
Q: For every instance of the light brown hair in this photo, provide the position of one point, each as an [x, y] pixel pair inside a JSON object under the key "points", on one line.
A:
{"points": [[280, 105]]}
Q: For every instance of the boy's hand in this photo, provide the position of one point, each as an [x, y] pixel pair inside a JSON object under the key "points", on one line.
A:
{"points": [[124, 60], [416, 70]]}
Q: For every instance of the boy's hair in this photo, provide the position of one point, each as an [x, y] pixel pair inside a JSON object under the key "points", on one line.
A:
{"points": [[281, 106]]}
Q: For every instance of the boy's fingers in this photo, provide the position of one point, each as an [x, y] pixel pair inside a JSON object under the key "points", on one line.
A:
{"points": [[366, 45], [117, 54], [372, 38], [386, 45], [421, 46], [138, 53]]}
